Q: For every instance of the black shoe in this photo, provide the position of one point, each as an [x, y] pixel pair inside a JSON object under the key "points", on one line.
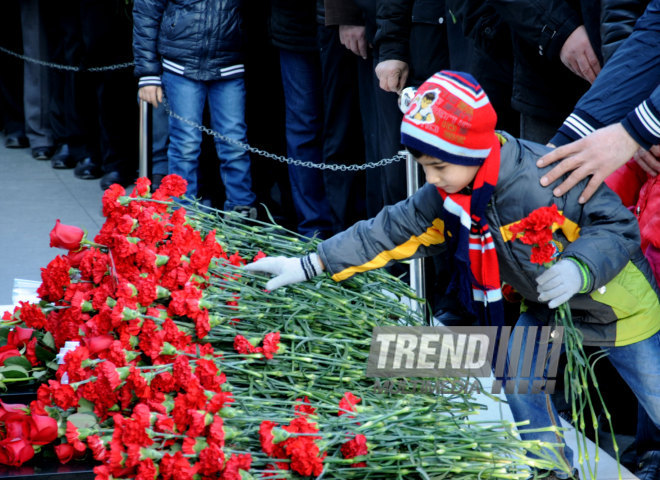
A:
{"points": [[42, 153], [246, 211], [62, 158], [88, 169], [111, 178], [17, 141], [648, 467]]}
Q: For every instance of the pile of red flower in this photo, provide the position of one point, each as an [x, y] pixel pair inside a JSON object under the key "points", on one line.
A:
{"points": [[140, 392], [135, 386]]}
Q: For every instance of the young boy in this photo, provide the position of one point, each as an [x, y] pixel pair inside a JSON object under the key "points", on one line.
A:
{"points": [[195, 50], [479, 184]]}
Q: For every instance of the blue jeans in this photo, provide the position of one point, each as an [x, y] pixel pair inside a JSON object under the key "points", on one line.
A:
{"points": [[636, 363], [227, 108], [159, 140], [301, 79]]}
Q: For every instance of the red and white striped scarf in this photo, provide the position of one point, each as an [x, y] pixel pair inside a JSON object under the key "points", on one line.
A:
{"points": [[476, 272]]}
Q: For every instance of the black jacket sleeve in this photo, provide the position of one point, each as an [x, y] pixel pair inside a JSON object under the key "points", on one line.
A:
{"points": [[412, 228], [617, 20], [393, 19], [147, 16], [546, 23]]}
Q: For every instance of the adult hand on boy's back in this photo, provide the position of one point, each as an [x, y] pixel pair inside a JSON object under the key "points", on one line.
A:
{"points": [[559, 283], [597, 154], [152, 94], [287, 270]]}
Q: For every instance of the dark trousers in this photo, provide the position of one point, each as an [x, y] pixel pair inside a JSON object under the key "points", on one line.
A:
{"points": [[94, 112], [342, 136], [381, 120], [301, 80], [11, 71]]}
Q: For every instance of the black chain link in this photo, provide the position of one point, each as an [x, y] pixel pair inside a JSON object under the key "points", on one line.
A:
{"points": [[290, 161], [69, 68]]}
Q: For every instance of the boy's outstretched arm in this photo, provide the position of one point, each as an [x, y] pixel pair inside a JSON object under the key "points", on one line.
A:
{"points": [[287, 270], [410, 229]]}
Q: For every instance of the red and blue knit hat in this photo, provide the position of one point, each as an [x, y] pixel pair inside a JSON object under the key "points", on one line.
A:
{"points": [[450, 118]]}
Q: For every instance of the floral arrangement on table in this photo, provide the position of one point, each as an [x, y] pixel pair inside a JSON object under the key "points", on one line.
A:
{"points": [[162, 359]]}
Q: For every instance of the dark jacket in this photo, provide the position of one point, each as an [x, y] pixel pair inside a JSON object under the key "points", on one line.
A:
{"points": [[342, 12], [201, 38], [602, 234], [627, 90], [617, 19], [542, 85], [293, 25], [415, 32], [395, 19]]}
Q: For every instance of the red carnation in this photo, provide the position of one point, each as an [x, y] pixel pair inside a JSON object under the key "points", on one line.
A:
{"points": [[243, 346], [270, 344], [271, 449], [347, 403], [355, 447], [304, 408], [211, 460], [536, 229], [32, 316], [234, 464]]}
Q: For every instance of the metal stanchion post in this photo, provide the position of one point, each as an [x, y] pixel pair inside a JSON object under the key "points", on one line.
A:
{"points": [[417, 283], [144, 139]]}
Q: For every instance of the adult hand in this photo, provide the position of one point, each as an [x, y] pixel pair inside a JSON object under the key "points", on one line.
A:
{"points": [[578, 55], [287, 270], [152, 94], [392, 75], [597, 154], [648, 159], [559, 283], [354, 38]]}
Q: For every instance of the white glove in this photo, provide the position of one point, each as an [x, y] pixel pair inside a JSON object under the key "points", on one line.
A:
{"points": [[287, 270], [559, 283]]}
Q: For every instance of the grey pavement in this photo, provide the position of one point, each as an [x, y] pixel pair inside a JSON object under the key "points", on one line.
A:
{"points": [[32, 197]]}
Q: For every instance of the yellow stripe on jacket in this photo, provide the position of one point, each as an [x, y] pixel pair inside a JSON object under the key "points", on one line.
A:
{"points": [[433, 235]]}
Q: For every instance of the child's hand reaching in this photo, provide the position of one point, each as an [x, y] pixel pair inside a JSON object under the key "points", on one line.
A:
{"points": [[287, 270], [559, 283]]}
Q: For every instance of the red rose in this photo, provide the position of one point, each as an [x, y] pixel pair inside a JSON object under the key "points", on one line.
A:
{"points": [[10, 408], [7, 351], [19, 336], [16, 425], [43, 429], [15, 452], [66, 236], [64, 452], [75, 258]]}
